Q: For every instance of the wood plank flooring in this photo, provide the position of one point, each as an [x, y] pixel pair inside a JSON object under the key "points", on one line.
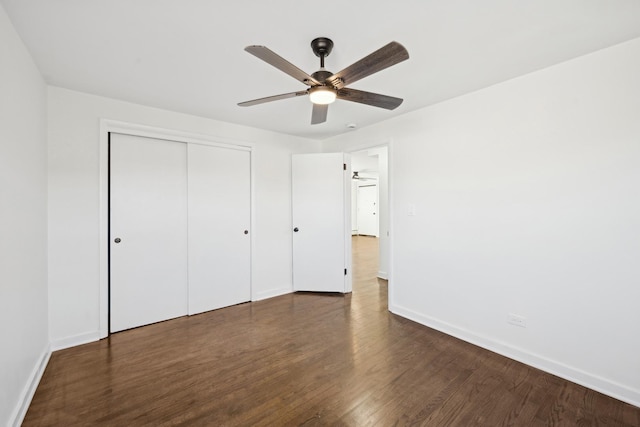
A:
{"points": [[311, 360]]}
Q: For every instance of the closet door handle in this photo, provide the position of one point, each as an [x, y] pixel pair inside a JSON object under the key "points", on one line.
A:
{"points": [[117, 240], [246, 231], [295, 230]]}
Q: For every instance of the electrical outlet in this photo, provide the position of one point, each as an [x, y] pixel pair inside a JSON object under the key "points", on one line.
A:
{"points": [[516, 320]]}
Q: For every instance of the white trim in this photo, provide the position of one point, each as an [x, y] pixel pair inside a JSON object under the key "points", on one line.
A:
{"points": [[75, 340], [103, 321], [252, 227], [113, 126], [346, 201], [259, 296], [172, 134], [383, 275], [19, 412], [594, 382], [390, 194]]}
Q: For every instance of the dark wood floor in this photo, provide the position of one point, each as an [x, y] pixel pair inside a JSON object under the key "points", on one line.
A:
{"points": [[307, 359]]}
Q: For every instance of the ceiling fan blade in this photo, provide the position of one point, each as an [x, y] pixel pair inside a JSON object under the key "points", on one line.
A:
{"points": [[382, 58], [281, 64], [272, 98], [319, 113], [369, 98]]}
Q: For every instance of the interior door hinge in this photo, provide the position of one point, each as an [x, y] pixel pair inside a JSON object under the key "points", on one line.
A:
{"points": [[344, 166], [345, 271]]}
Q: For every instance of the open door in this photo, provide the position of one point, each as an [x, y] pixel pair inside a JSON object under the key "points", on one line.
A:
{"points": [[321, 193]]}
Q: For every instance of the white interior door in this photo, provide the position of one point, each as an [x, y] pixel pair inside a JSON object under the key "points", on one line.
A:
{"points": [[368, 210], [322, 228], [219, 220], [148, 231]]}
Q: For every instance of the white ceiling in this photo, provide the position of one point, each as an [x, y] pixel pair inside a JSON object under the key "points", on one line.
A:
{"points": [[188, 56]]}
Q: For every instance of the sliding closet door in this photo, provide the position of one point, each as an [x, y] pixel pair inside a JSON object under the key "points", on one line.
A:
{"points": [[219, 226], [148, 231]]}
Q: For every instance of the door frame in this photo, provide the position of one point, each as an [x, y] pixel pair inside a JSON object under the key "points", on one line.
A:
{"points": [[381, 143], [108, 126]]}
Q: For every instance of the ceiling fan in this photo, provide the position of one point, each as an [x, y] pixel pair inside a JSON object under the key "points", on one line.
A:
{"points": [[325, 86]]}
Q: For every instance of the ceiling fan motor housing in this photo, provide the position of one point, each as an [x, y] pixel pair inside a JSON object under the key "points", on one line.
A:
{"points": [[321, 75]]}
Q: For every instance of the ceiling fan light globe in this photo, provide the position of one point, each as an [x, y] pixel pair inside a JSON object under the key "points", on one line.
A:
{"points": [[322, 95]]}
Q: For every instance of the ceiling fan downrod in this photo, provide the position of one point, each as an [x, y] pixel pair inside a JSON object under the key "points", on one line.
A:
{"points": [[322, 48]]}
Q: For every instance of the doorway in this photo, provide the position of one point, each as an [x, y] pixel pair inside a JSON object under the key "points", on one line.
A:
{"points": [[370, 216]]}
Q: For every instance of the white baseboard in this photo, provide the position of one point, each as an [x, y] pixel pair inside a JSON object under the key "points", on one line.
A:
{"points": [[75, 340], [271, 293], [594, 382], [29, 390], [383, 275]]}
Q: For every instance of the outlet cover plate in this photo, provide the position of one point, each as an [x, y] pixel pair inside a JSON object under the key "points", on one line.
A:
{"points": [[517, 320]]}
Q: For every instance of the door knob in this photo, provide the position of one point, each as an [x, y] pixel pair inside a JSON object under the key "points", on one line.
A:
{"points": [[295, 229], [117, 240], [246, 231]]}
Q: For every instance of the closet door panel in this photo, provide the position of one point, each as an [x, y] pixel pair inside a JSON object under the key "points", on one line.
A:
{"points": [[148, 231], [219, 206]]}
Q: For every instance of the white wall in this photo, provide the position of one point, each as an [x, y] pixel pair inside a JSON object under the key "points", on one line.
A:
{"points": [[23, 207], [527, 202], [74, 195]]}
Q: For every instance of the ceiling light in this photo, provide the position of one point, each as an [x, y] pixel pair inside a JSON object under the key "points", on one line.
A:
{"points": [[322, 95]]}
